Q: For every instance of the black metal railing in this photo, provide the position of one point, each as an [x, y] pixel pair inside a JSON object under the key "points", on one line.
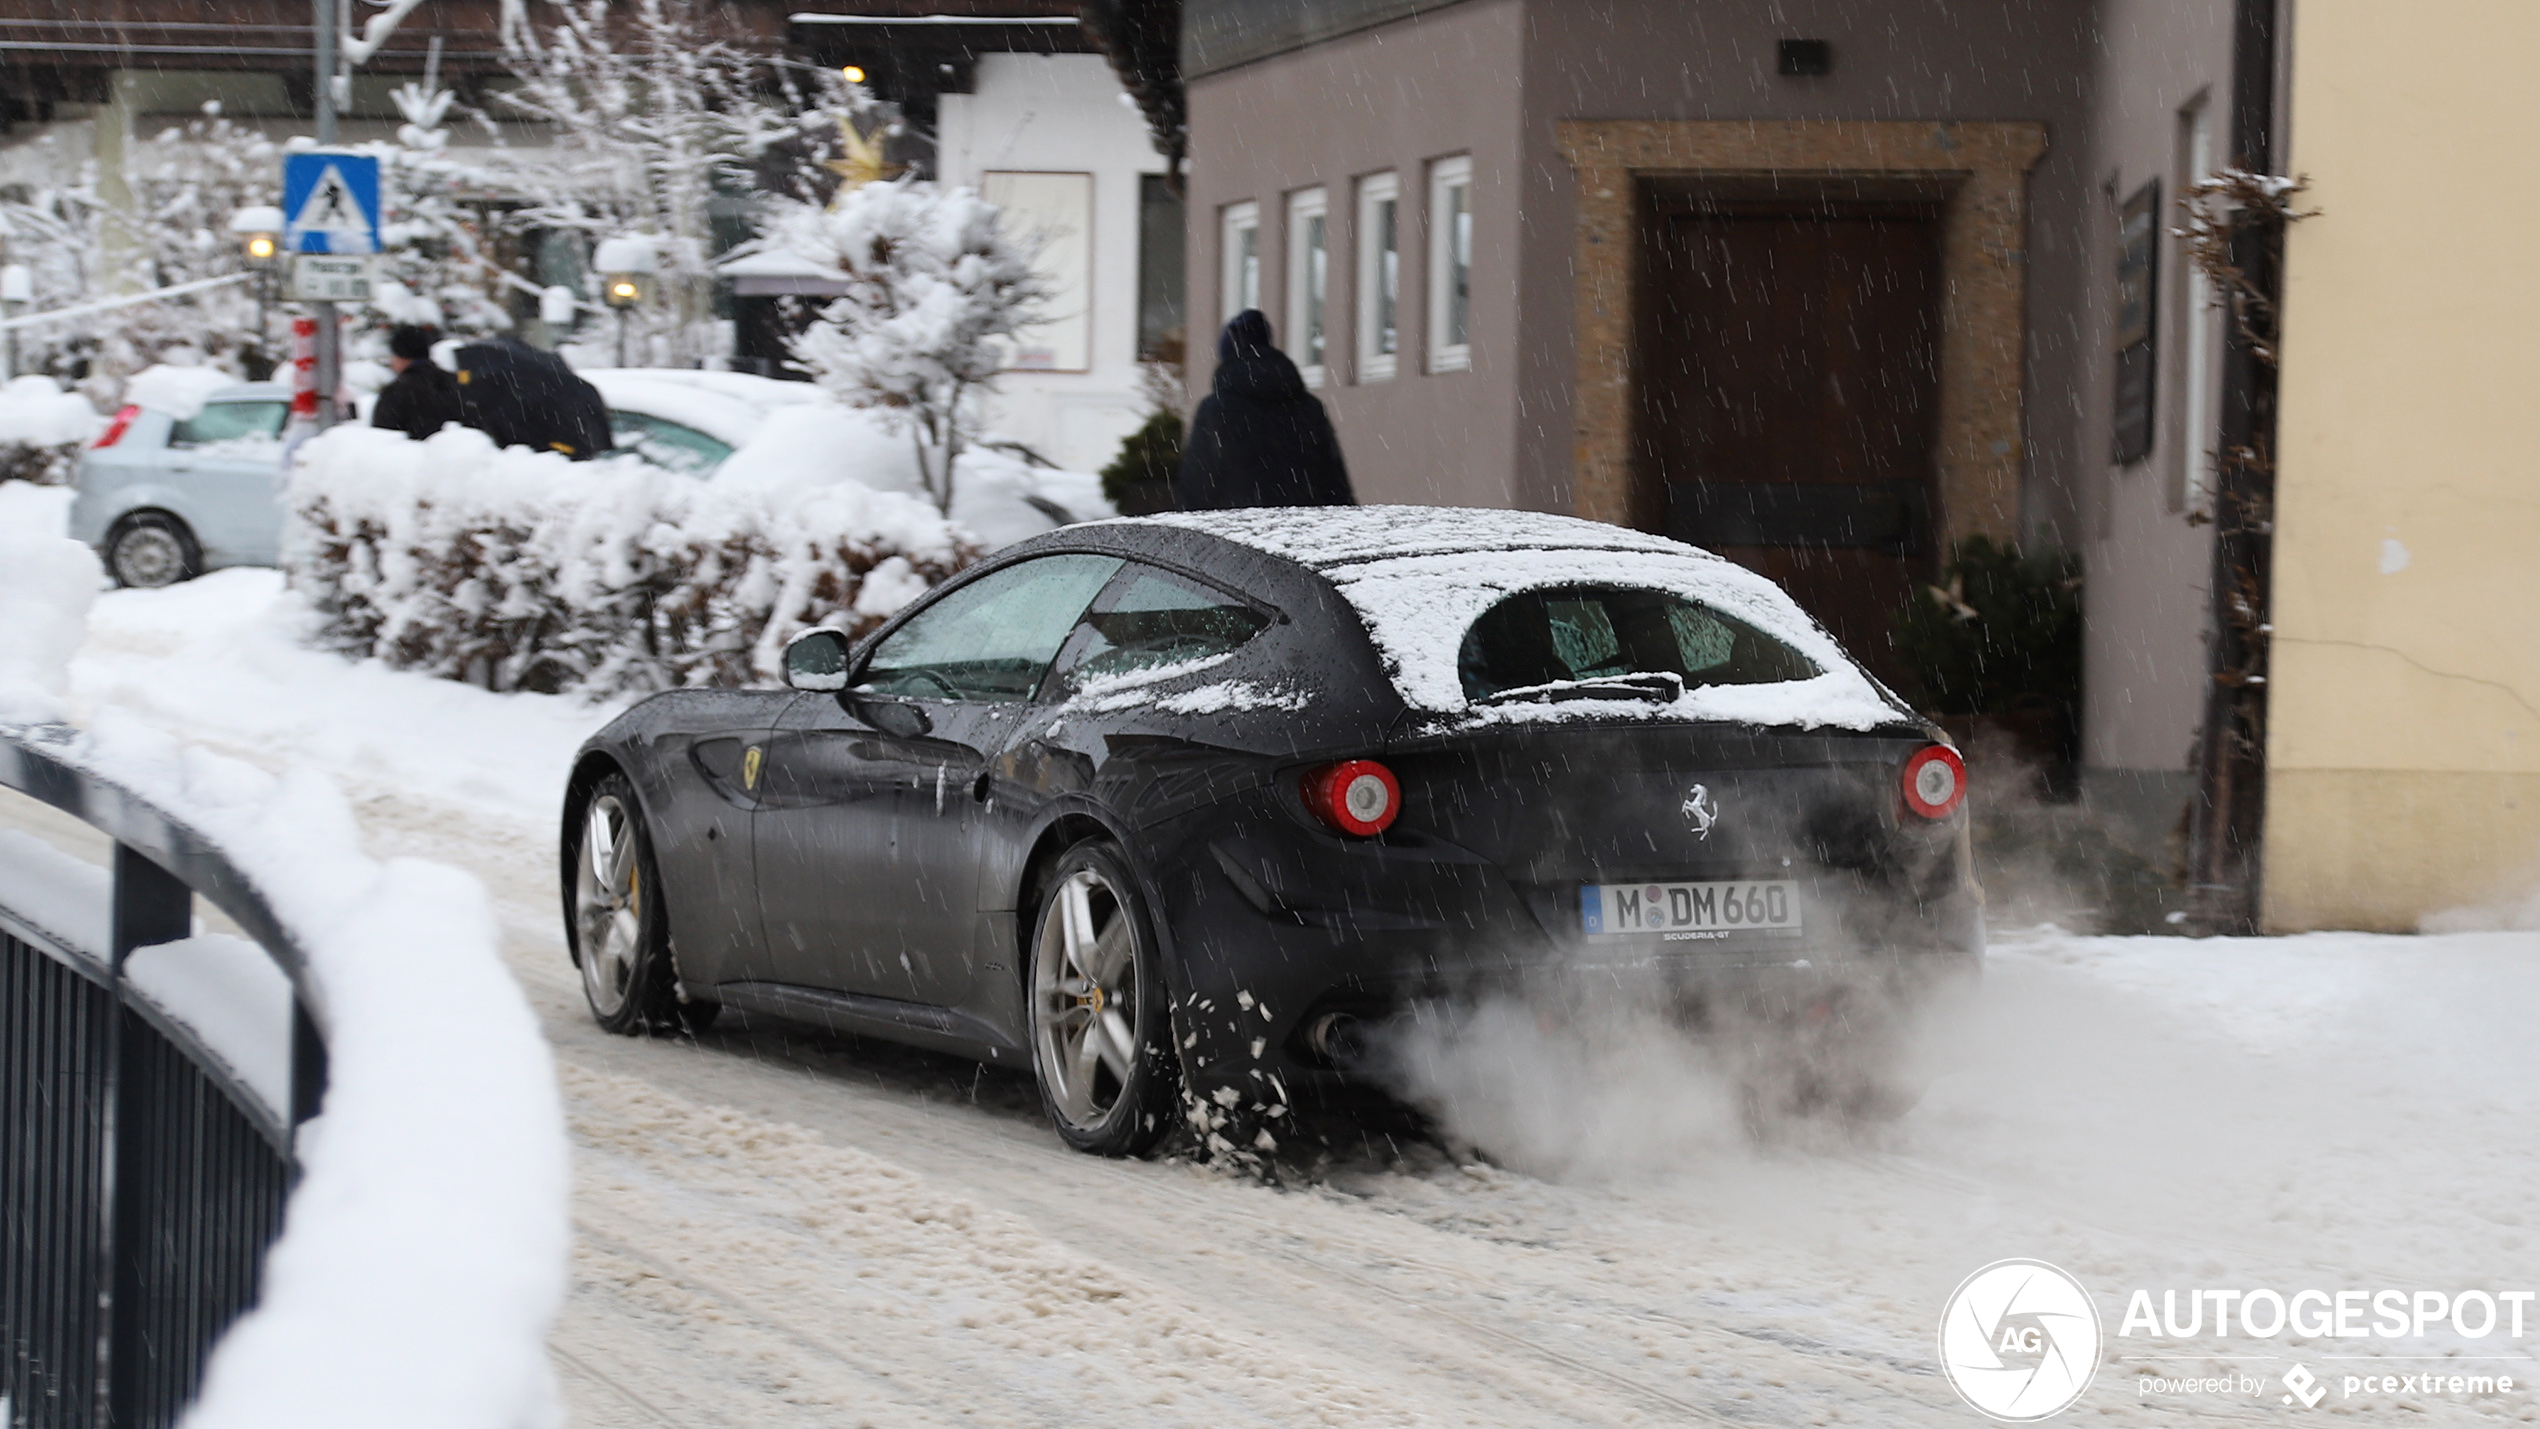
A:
{"points": [[141, 1178]]}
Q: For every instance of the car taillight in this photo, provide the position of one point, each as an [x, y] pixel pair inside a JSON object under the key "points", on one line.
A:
{"points": [[1355, 796], [115, 429], [1935, 782]]}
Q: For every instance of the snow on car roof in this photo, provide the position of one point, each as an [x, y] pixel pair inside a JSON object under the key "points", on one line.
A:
{"points": [[1419, 576], [727, 411]]}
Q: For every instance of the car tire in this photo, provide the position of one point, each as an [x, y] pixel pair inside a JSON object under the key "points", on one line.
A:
{"points": [[150, 550], [621, 941], [1101, 1021]]}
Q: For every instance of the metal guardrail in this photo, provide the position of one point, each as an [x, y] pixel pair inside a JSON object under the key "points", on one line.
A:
{"points": [[141, 1181]]}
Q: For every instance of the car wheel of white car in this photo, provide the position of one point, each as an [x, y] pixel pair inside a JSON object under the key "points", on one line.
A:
{"points": [[150, 549]]}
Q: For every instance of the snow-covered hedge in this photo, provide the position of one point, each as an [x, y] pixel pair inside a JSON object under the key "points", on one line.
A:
{"points": [[525, 571], [41, 430]]}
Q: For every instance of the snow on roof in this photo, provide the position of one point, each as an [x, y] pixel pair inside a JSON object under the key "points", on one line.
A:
{"points": [[726, 419], [182, 392], [1419, 576]]}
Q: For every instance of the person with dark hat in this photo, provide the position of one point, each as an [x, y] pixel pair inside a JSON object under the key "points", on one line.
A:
{"points": [[423, 398], [1259, 438]]}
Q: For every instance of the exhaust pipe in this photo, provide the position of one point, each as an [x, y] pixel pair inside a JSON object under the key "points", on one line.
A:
{"points": [[1337, 1038]]}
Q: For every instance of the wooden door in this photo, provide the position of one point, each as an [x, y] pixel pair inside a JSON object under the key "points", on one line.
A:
{"points": [[1788, 378]]}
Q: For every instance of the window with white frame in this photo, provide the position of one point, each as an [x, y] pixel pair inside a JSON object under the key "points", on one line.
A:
{"points": [[1451, 265], [1240, 252], [1309, 280], [1379, 231]]}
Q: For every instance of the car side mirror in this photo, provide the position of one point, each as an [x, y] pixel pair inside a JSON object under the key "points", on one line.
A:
{"points": [[896, 718], [817, 660]]}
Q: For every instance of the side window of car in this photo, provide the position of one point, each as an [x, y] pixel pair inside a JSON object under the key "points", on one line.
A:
{"points": [[1152, 619], [992, 639], [228, 421], [667, 444]]}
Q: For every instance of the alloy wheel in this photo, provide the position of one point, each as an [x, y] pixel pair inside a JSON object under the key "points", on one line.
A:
{"points": [[608, 905], [1086, 1000]]}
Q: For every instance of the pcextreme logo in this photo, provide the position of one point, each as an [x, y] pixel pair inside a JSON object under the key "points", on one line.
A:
{"points": [[2020, 1340]]}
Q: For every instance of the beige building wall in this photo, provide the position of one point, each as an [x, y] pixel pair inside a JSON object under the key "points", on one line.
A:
{"points": [[2404, 758]]}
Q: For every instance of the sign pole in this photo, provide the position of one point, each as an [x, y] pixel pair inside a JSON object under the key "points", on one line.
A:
{"points": [[330, 352]]}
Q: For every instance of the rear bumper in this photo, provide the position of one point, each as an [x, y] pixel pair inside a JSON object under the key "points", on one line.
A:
{"points": [[1272, 945]]}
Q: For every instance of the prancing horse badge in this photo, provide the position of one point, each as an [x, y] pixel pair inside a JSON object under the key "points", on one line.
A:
{"points": [[1700, 811]]}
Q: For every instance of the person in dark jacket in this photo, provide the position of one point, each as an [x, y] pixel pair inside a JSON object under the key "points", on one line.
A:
{"points": [[1259, 438], [423, 398], [522, 397]]}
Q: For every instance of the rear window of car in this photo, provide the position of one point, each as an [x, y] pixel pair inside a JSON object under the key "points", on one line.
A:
{"points": [[228, 421], [1545, 639]]}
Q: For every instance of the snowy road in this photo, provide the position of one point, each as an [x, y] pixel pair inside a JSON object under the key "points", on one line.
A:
{"points": [[782, 1227]]}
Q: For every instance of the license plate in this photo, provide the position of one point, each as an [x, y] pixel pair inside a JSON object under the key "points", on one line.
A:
{"points": [[1682, 912]]}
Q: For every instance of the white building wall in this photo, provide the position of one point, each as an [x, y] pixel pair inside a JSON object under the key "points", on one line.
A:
{"points": [[1065, 114]]}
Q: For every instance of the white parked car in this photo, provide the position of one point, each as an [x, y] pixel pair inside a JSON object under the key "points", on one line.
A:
{"points": [[165, 497]]}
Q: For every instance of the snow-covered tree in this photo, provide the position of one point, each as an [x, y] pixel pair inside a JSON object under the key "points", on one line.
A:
{"points": [[197, 176], [435, 266], [934, 290], [653, 118], [183, 184]]}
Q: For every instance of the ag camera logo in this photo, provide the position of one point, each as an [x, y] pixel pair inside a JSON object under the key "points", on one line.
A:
{"points": [[2020, 1340]]}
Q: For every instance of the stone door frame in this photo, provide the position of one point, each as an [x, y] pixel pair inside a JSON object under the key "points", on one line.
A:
{"points": [[1979, 441]]}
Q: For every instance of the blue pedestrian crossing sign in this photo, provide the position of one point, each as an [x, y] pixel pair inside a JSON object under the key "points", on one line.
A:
{"points": [[330, 202]]}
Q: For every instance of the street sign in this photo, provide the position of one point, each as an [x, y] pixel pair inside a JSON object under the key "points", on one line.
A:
{"points": [[322, 278], [330, 202]]}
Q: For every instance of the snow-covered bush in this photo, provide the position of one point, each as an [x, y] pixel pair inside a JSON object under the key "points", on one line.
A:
{"points": [[41, 430], [934, 290], [525, 571], [435, 267]]}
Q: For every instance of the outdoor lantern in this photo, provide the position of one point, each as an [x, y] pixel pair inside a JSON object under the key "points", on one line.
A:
{"points": [[853, 73], [259, 232], [626, 270], [626, 278]]}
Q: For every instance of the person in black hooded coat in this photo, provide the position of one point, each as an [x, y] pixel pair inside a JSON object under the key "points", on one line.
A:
{"points": [[1259, 438]]}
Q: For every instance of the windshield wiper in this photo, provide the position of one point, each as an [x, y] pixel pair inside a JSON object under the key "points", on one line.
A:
{"points": [[1659, 687]]}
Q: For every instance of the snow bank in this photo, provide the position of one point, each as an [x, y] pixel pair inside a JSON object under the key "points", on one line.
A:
{"points": [[42, 429], [422, 1255], [36, 411], [1419, 576], [180, 392], [530, 572], [47, 583]]}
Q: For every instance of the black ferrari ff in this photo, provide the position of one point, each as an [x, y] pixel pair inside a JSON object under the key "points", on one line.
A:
{"points": [[1174, 810]]}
